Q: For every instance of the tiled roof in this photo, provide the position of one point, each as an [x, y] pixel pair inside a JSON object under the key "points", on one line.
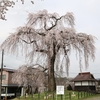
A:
{"points": [[85, 76]]}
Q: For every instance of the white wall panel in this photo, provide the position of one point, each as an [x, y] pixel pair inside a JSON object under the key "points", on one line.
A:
{"points": [[77, 83], [85, 83]]}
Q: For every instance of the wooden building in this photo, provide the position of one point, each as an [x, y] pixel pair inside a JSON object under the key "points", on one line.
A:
{"points": [[84, 82], [8, 87]]}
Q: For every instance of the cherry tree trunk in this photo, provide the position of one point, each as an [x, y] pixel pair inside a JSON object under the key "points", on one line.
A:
{"points": [[51, 76]]}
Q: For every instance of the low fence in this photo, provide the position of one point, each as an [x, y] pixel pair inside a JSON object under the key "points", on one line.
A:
{"points": [[69, 95]]}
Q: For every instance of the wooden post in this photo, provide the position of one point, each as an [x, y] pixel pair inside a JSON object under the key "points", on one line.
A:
{"points": [[1, 72], [45, 95], [6, 93], [69, 96], [53, 96], [78, 96], [84, 93], [38, 95], [61, 97], [81, 94]]}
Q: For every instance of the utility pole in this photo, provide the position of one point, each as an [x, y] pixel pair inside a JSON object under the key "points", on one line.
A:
{"points": [[1, 71]]}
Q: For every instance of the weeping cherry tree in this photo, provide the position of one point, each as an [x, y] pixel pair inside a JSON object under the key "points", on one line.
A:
{"points": [[47, 36], [32, 79]]}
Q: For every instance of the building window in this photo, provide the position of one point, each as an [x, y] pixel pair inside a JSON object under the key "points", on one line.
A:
{"points": [[3, 77]]}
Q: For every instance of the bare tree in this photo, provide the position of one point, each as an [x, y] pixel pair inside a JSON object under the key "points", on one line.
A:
{"points": [[49, 36], [29, 77]]}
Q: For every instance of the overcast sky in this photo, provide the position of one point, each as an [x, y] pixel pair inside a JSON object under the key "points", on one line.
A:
{"points": [[87, 20]]}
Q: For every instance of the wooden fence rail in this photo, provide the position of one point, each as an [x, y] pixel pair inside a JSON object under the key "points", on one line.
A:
{"points": [[52, 96]]}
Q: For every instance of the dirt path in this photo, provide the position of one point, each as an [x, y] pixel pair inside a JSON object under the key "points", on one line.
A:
{"points": [[93, 98]]}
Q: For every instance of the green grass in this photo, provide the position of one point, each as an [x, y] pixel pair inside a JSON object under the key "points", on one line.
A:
{"points": [[68, 95]]}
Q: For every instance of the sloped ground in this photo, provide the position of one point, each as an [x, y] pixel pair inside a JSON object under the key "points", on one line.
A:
{"points": [[93, 98]]}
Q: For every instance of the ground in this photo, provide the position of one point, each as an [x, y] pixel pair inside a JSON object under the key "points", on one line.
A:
{"points": [[93, 98]]}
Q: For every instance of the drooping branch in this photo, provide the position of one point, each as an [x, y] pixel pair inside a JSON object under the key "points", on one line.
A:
{"points": [[49, 21], [42, 68], [69, 17], [55, 20], [28, 75], [27, 41], [6, 4]]}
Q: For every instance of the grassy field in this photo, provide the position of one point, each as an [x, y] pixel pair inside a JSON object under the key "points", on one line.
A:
{"points": [[68, 95]]}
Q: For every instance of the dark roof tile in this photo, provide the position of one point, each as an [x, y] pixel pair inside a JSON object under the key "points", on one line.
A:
{"points": [[85, 76]]}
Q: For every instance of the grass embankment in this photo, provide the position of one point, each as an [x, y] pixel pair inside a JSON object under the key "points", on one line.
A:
{"points": [[68, 95]]}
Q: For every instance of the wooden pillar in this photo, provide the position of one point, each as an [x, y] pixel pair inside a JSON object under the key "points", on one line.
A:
{"points": [[6, 93], [22, 91]]}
